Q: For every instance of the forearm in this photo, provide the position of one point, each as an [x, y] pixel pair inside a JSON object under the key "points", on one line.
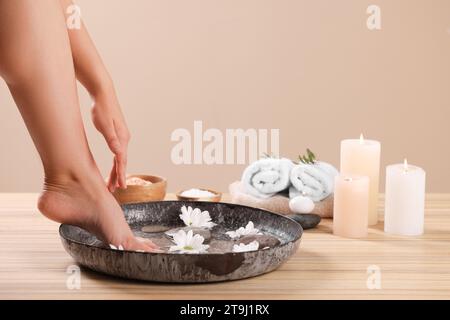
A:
{"points": [[89, 67]]}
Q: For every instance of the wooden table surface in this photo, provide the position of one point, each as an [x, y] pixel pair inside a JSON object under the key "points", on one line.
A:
{"points": [[33, 264]]}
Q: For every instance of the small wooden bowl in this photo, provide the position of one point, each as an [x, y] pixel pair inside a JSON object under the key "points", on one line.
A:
{"points": [[135, 193], [216, 198]]}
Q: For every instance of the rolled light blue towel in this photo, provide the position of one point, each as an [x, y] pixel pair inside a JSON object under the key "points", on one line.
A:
{"points": [[266, 177], [315, 181]]}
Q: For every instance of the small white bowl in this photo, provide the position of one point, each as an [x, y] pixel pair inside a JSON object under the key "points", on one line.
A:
{"points": [[215, 198]]}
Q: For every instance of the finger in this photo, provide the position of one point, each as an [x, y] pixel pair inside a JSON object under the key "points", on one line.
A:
{"points": [[112, 181], [121, 165], [112, 178], [121, 156], [108, 131], [116, 184]]}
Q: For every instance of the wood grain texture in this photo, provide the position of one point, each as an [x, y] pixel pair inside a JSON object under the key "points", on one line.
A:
{"points": [[33, 264]]}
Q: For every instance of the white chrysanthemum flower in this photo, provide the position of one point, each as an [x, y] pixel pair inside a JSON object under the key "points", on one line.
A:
{"points": [[196, 218], [188, 242], [247, 231], [252, 246]]}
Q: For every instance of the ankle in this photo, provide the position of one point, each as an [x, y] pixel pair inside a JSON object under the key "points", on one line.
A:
{"points": [[89, 180]]}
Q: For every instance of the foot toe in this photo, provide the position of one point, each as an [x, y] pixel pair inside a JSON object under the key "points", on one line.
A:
{"points": [[141, 244]]}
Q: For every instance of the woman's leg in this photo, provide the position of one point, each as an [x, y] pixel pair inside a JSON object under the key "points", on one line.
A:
{"points": [[36, 62]]}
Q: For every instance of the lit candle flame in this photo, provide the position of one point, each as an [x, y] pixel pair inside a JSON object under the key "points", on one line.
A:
{"points": [[405, 165], [361, 139]]}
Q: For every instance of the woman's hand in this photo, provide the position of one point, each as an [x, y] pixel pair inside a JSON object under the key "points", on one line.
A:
{"points": [[109, 120]]}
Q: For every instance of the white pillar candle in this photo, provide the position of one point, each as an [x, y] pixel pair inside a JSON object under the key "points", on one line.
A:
{"points": [[362, 157], [351, 206], [405, 199]]}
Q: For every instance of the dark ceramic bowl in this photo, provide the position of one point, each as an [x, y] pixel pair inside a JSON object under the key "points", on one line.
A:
{"points": [[186, 268]]}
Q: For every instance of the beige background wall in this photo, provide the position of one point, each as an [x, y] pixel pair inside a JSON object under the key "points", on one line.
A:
{"points": [[310, 68]]}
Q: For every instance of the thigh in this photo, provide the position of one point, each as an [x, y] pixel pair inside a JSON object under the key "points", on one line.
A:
{"points": [[33, 39], [37, 64]]}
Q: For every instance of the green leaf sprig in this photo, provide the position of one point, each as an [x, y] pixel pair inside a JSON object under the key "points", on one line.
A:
{"points": [[309, 158]]}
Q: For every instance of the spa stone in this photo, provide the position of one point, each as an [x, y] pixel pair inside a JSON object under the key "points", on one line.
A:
{"points": [[155, 228], [220, 246], [306, 220], [301, 204]]}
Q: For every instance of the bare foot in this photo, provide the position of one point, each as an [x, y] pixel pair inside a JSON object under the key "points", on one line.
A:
{"points": [[91, 207]]}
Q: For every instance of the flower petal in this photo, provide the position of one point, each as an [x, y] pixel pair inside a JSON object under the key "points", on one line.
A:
{"points": [[252, 246], [189, 236], [180, 238], [197, 241], [175, 248], [232, 234]]}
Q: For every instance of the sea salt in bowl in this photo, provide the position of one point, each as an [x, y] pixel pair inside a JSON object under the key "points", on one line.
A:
{"points": [[199, 194], [142, 188]]}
